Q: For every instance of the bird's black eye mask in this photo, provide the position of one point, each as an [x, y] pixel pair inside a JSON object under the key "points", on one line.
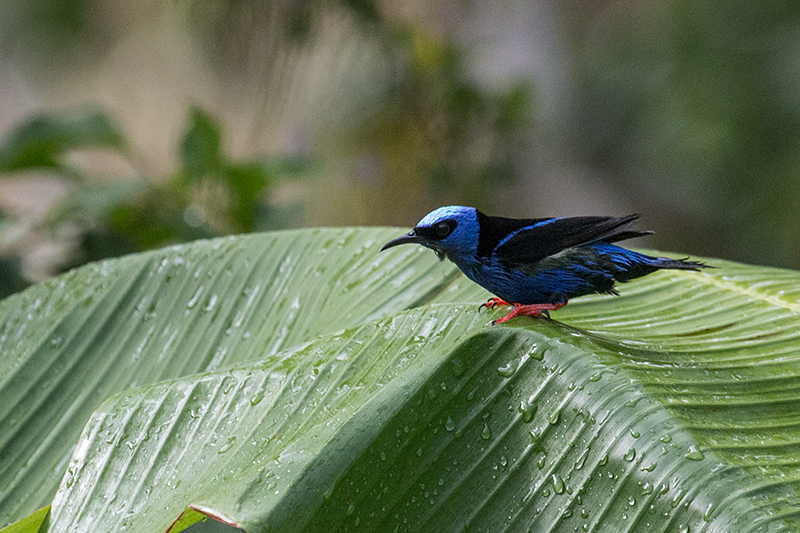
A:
{"points": [[440, 230]]}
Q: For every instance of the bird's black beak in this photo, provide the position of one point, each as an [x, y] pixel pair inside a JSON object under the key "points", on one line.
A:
{"points": [[409, 238]]}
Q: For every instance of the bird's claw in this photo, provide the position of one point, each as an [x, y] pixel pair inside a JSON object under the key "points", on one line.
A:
{"points": [[491, 303], [533, 310]]}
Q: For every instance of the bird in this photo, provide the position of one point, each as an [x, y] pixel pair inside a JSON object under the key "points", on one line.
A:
{"points": [[537, 265]]}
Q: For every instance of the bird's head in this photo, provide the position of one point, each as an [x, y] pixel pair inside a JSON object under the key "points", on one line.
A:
{"points": [[450, 231]]}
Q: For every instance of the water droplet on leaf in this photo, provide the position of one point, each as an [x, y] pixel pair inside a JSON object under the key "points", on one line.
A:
{"points": [[629, 455], [695, 454], [507, 371], [558, 484]]}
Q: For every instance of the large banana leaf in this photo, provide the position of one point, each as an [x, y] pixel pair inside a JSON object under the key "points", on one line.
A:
{"points": [[70, 343], [671, 408]]}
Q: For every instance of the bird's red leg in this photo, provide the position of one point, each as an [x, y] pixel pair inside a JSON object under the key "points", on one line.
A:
{"points": [[491, 303], [531, 310]]}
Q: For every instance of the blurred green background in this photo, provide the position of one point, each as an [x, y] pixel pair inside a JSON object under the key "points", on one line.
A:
{"points": [[126, 126]]}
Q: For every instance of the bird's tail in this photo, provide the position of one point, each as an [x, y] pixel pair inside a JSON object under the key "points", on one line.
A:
{"points": [[677, 264], [626, 265]]}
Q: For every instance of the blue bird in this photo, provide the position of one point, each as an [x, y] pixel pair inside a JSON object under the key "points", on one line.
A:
{"points": [[537, 265]]}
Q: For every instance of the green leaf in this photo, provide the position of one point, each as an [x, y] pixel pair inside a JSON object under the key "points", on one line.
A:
{"points": [[362, 398], [96, 200], [426, 421], [247, 181], [42, 140], [29, 524], [201, 146], [188, 518], [70, 343]]}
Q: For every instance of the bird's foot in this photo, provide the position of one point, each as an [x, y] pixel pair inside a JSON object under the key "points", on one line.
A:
{"points": [[530, 310], [491, 303]]}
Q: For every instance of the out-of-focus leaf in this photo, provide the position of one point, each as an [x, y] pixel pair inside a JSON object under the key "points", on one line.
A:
{"points": [[515, 107], [97, 200], [11, 278], [247, 179], [42, 140], [30, 524], [201, 150], [279, 167], [189, 517], [247, 182], [276, 216]]}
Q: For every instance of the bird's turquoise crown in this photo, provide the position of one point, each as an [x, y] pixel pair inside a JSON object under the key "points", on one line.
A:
{"points": [[443, 213]]}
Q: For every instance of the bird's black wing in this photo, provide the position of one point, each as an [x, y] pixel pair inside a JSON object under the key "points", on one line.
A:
{"points": [[538, 239]]}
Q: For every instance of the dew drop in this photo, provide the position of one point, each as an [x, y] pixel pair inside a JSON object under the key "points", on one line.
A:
{"points": [[541, 462], [528, 495], [507, 371], [228, 445], [486, 434], [195, 297], [553, 418], [694, 454], [666, 438], [676, 500], [603, 460], [631, 501], [449, 425], [257, 398], [212, 302], [581, 459], [629, 455], [709, 510], [647, 488], [558, 484], [528, 409], [634, 433]]}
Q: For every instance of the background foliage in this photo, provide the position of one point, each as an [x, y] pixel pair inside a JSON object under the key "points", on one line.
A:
{"points": [[164, 122]]}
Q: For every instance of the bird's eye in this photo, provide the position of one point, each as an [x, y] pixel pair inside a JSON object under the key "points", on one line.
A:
{"points": [[443, 229]]}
